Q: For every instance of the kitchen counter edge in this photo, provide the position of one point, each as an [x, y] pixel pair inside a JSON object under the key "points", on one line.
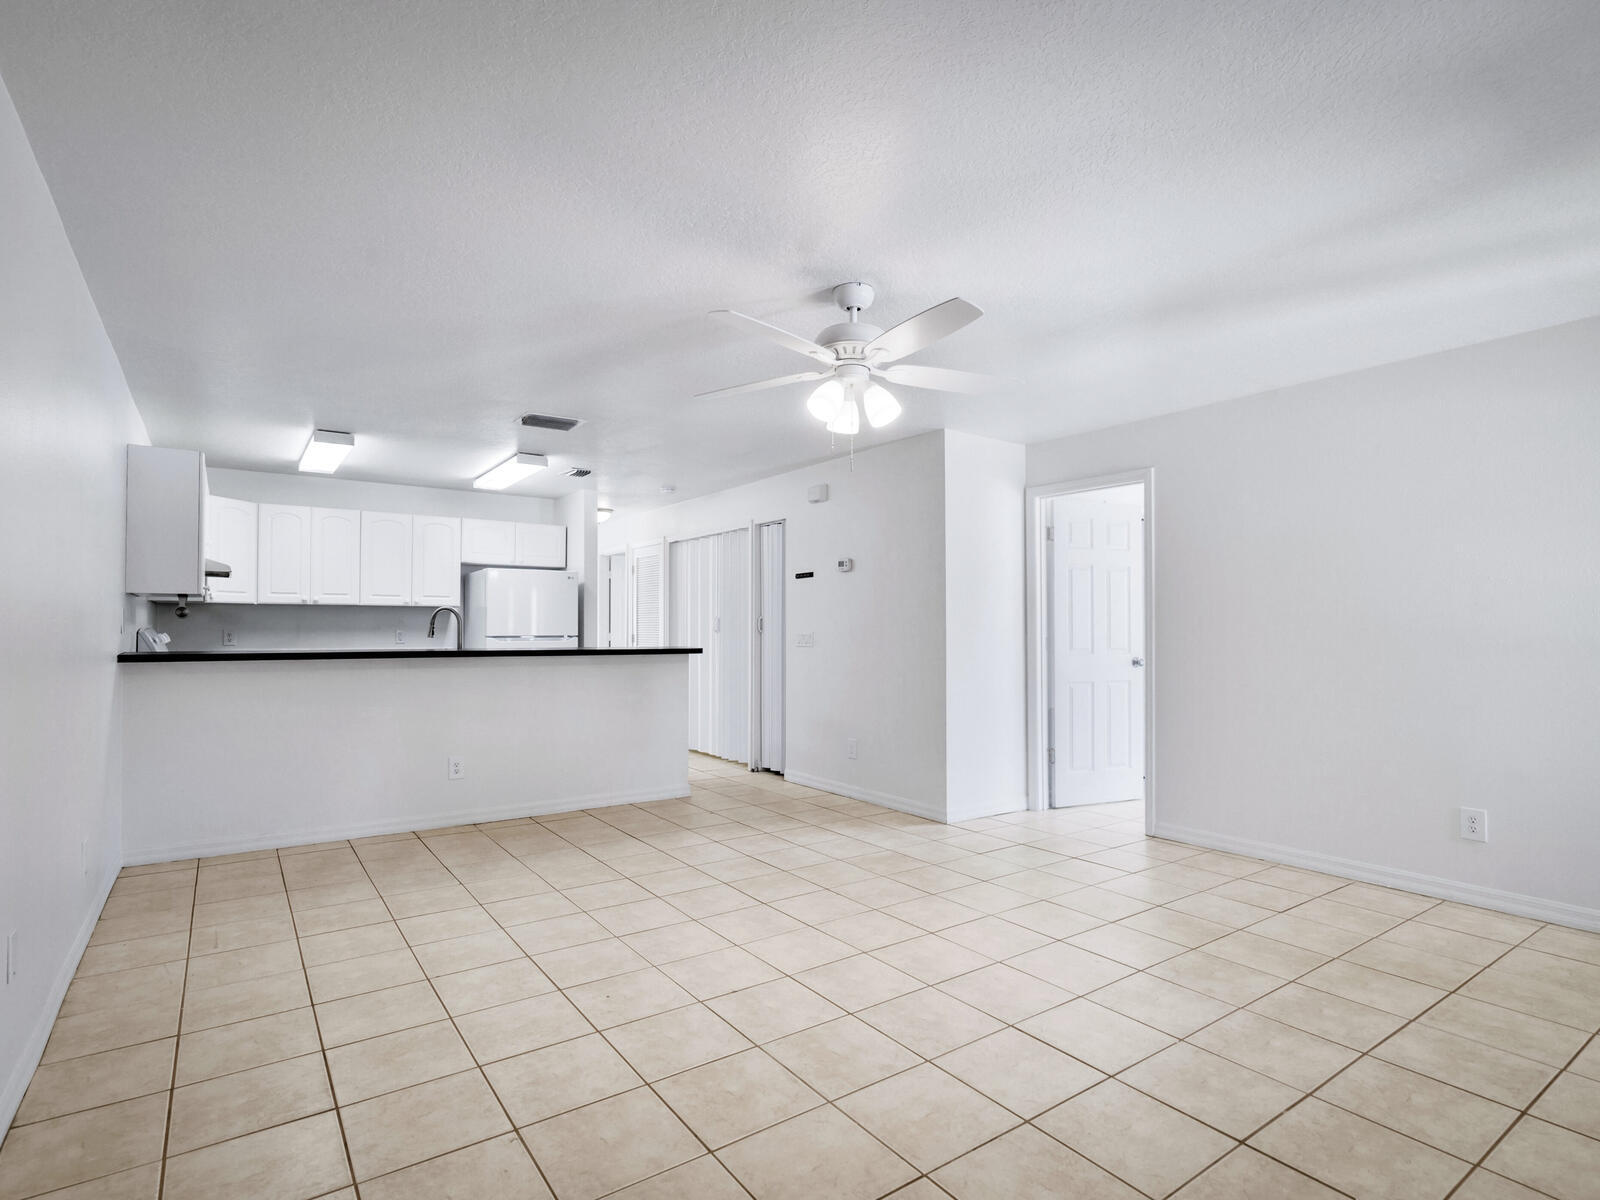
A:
{"points": [[291, 655]]}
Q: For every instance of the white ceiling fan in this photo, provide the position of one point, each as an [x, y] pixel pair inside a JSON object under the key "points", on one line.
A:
{"points": [[854, 354]]}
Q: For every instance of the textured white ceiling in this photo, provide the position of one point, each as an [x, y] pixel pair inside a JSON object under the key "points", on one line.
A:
{"points": [[418, 220]]}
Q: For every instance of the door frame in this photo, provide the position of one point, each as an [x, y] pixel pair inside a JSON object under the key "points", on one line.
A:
{"points": [[1038, 616], [757, 634]]}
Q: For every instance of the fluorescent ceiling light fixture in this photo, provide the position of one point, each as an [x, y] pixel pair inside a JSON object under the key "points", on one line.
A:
{"points": [[325, 451], [602, 515], [515, 469], [847, 420], [881, 406]]}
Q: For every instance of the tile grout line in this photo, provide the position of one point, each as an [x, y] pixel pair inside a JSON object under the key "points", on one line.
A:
{"points": [[177, 1040], [316, 1024], [451, 1017], [1526, 1112]]}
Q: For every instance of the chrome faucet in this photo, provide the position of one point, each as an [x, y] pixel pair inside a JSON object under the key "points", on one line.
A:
{"points": [[434, 620]]}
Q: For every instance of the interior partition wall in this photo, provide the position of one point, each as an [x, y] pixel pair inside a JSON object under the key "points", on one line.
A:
{"points": [[709, 606]]}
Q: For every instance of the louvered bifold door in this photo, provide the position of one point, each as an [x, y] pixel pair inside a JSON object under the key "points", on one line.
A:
{"points": [[646, 594], [709, 607]]}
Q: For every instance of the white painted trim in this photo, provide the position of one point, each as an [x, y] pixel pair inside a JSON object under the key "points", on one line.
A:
{"points": [[440, 820], [1534, 907], [1038, 614], [16, 1086], [752, 678], [916, 808]]}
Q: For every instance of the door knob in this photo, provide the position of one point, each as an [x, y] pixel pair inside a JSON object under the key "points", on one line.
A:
{"points": [[1138, 662]]}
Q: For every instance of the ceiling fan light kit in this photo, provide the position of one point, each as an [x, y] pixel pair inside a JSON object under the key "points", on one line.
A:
{"points": [[847, 420], [855, 354]]}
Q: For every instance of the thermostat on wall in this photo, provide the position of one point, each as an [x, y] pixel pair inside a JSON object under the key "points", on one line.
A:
{"points": [[817, 493], [847, 564]]}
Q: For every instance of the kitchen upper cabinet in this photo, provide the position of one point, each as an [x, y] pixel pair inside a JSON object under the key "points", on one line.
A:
{"points": [[231, 538], [541, 545], [436, 560], [385, 558], [335, 556], [283, 554], [492, 543]]}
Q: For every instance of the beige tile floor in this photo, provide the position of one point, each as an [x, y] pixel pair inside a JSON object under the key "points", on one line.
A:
{"points": [[766, 990]]}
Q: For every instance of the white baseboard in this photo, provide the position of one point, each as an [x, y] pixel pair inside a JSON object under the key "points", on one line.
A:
{"points": [[917, 808], [16, 1084], [1536, 907], [438, 820], [993, 808]]}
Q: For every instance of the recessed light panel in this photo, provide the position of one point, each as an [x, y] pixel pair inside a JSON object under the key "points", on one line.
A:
{"points": [[515, 469], [325, 451]]}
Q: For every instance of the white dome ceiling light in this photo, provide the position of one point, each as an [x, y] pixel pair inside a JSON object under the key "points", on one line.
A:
{"points": [[856, 354]]}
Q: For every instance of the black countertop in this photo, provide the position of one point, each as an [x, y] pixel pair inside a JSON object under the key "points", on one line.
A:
{"points": [[275, 655]]}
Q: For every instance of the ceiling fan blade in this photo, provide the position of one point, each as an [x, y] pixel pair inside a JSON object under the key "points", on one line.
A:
{"points": [[940, 379], [783, 337], [924, 329], [763, 384]]}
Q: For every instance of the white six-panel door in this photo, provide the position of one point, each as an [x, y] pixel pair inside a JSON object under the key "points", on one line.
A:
{"points": [[1096, 633]]}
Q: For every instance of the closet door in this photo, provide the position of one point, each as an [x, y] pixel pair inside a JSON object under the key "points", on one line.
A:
{"points": [[645, 598], [709, 604]]}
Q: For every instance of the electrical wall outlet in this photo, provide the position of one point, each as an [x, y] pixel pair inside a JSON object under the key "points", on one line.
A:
{"points": [[455, 769], [11, 957], [849, 747], [228, 638], [399, 637], [1474, 824]]}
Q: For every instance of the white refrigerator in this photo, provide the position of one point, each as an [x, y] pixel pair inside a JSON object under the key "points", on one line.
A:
{"points": [[521, 608]]}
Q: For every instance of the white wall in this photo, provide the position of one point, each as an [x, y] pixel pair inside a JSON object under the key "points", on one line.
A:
{"points": [[985, 665], [229, 756], [1378, 599], [876, 673], [68, 416]]}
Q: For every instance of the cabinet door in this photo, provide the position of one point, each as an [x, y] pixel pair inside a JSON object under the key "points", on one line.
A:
{"points": [[493, 543], [231, 538], [541, 545], [385, 558], [436, 560], [283, 554], [335, 556]]}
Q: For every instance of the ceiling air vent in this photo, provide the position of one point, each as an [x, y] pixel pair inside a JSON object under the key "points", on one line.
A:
{"points": [[578, 472], [562, 424]]}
